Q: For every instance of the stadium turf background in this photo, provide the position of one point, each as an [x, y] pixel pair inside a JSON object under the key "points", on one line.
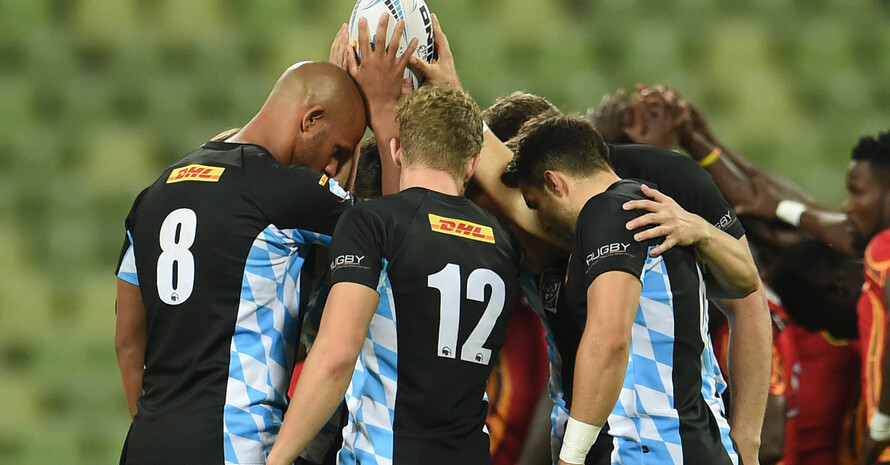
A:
{"points": [[98, 96]]}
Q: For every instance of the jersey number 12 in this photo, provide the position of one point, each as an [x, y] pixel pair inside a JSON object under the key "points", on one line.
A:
{"points": [[448, 282]]}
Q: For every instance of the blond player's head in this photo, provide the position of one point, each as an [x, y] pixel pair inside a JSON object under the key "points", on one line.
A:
{"points": [[439, 128]]}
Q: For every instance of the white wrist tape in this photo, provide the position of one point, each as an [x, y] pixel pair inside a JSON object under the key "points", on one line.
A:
{"points": [[879, 427], [790, 211], [485, 127], [578, 439]]}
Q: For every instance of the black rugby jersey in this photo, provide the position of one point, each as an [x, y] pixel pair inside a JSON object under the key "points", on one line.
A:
{"points": [[668, 411], [216, 246], [447, 274], [673, 174]]}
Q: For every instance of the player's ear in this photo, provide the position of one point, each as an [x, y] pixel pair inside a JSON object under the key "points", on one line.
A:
{"points": [[556, 183], [470, 167], [311, 117], [395, 150]]}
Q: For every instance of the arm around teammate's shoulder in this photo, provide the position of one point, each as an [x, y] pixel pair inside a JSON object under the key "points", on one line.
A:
{"points": [[729, 259]]}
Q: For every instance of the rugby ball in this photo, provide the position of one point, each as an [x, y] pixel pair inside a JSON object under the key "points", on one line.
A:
{"points": [[418, 23]]}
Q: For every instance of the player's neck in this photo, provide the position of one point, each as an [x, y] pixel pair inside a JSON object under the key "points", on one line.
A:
{"points": [[431, 179], [590, 186]]}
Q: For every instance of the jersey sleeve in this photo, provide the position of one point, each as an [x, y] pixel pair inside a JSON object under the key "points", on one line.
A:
{"points": [[704, 198], [126, 264], [877, 256], [296, 197], [604, 241], [357, 248]]}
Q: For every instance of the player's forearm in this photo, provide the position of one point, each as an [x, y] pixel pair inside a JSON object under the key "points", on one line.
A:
{"points": [[732, 181], [495, 158], [749, 366], [829, 227], [729, 261], [601, 359], [600, 365], [130, 360], [386, 128], [321, 388], [129, 340]]}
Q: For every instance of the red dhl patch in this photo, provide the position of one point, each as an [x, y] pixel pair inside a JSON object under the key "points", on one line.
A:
{"points": [[323, 180], [196, 173], [461, 228]]}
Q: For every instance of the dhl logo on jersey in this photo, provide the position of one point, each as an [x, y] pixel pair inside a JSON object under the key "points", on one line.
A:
{"points": [[461, 228], [196, 173]]}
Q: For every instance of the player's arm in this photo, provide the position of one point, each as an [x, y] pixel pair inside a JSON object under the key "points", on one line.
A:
{"points": [[750, 346], [879, 425], [495, 155], [129, 340], [601, 361], [729, 260], [381, 77], [327, 370], [756, 192]]}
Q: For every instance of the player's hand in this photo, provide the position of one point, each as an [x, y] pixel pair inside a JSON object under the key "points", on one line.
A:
{"points": [[652, 121], [611, 116], [670, 220], [763, 205], [441, 71], [381, 72], [561, 462], [340, 49]]}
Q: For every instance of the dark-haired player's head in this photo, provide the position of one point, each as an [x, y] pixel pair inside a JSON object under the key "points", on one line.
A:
{"points": [[819, 287], [507, 114], [368, 175], [868, 188], [553, 155], [440, 128]]}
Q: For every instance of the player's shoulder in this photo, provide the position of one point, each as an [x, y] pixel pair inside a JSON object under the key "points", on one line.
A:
{"points": [[613, 198], [877, 254], [631, 160]]}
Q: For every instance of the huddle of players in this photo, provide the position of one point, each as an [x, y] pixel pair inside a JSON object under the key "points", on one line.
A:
{"points": [[636, 376]]}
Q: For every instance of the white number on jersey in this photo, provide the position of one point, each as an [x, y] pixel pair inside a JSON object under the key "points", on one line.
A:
{"points": [[176, 264], [448, 282]]}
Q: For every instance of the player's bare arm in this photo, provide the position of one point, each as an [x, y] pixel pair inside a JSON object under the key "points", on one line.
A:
{"points": [[129, 341], [327, 370], [380, 76], [749, 369], [495, 155], [728, 259], [601, 362]]}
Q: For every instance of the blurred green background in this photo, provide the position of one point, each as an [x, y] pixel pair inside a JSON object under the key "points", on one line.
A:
{"points": [[98, 96]]}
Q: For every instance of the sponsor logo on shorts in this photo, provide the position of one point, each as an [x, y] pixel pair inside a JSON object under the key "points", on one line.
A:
{"points": [[461, 228], [725, 221], [347, 261], [196, 173], [606, 251]]}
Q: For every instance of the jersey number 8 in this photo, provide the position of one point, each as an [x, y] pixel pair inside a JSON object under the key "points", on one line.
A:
{"points": [[176, 264], [448, 282]]}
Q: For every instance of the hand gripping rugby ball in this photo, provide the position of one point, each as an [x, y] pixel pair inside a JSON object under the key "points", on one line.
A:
{"points": [[418, 23]]}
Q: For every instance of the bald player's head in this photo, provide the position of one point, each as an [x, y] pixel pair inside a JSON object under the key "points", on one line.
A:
{"points": [[315, 117]]}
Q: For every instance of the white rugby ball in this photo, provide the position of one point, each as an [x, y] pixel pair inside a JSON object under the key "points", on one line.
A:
{"points": [[418, 23]]}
